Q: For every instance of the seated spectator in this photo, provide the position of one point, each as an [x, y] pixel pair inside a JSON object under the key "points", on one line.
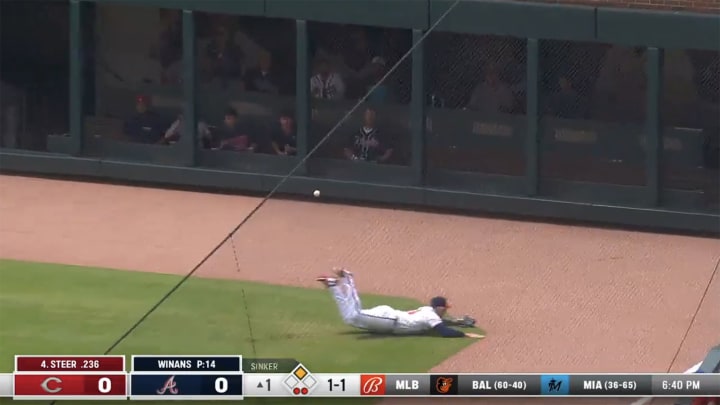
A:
{"points": [[284, 141], [173, 133], [326, 84], [492, 96], [236, 135], [145, 126], [381, 93], [224, 56], [368, 144], [263, 79], [565, 103]]}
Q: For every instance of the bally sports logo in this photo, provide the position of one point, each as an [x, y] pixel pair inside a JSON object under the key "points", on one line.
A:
{"points": [[372, 384]]}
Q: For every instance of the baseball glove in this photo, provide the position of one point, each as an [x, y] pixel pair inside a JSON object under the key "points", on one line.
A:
{"points": [[464, 322]]}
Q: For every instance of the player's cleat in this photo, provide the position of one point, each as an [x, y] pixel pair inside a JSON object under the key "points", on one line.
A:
{"points": [[341, 272], [328, 281]]}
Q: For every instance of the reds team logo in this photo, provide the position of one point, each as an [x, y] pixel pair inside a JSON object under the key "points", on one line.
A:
{"points": [[371, 384], [51, 385], [169, 386]]}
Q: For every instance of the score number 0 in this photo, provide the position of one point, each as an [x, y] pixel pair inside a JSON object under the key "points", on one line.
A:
{"points": [[221, 385], [104, 385]]}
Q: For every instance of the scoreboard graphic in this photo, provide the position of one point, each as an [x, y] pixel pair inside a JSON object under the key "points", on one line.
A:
{"points": [[232, 378]]}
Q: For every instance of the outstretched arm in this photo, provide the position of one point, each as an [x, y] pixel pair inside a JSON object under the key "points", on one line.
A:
{"points": [[451, 322], [448, 332]]}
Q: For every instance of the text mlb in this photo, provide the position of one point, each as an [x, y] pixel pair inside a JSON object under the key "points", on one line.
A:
{"points": [[407, 384]]}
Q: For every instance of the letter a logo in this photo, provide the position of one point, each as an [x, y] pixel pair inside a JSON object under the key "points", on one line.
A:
{"points": [[170, 386], [372, 384]]}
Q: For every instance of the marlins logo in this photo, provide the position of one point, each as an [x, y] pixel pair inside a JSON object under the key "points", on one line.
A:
{"points": [[170, 386], [444, 384]]}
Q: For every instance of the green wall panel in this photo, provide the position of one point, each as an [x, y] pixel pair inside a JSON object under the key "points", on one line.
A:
{"points": [[241, 7], [545, 21], [658, 29], [383, 13]]}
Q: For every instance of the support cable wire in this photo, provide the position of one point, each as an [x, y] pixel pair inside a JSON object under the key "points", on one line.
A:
{"points": [[282, 181], [689, 328]]}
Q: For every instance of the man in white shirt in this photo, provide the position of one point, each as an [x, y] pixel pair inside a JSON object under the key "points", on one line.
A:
{"points": [[326, 84], [173, 133], [385, 319], [492, 95]]}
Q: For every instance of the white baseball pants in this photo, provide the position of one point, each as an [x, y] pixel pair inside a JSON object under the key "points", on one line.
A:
{"points": [[380, 319]]}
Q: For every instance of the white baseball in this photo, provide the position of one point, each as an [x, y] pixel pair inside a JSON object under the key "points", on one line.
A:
{"points": [[316, 193]]}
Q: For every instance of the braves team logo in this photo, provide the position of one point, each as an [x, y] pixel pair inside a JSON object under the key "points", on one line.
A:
{"points": [[444, 384], [170, 386], [372, 384]]}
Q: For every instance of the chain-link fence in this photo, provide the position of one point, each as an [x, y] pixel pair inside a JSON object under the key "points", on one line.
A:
{"points": [[349, 64], [34, 66], [246, 93], [245, 80], [592, 106], [134, 77], [476, 103]]}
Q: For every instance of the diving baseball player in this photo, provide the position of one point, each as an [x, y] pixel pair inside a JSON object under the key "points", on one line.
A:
{"points": [[387, 320]]}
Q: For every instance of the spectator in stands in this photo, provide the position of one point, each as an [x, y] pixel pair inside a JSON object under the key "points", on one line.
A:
{"points": [[326, 84], [263, 79], [224, 56], [145, 126], [565, 103], [236, 135], [381, 93], [284, 141], [368, 144], [492, 95], [357, 56], [173, 133], [357, 61], [169, 48]]}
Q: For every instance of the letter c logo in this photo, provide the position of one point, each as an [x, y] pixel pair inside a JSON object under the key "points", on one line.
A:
{"points": [[45, 385]]}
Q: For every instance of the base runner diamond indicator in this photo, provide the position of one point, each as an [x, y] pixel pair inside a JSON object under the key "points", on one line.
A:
{"points": [[291, 382], [300, 372], [300, 382]]}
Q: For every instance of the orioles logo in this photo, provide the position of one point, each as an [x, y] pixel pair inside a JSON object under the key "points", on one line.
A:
{"points": [[444, 384]]}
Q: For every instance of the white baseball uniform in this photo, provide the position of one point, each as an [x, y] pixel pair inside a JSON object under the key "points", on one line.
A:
{"points": [[382, 318]]}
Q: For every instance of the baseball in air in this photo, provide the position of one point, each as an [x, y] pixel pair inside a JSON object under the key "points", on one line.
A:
{"points": [[316, 193]]}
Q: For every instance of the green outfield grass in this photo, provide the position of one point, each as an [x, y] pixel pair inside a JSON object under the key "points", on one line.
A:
{"points": [[59, 309]]}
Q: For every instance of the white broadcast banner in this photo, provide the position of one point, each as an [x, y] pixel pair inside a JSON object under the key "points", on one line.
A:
{"points": [[336, 385], [265, 385], [6, 385], [691, 370]]}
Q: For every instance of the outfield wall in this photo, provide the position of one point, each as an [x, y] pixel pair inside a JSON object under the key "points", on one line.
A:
{"points": [[656, 168]]}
